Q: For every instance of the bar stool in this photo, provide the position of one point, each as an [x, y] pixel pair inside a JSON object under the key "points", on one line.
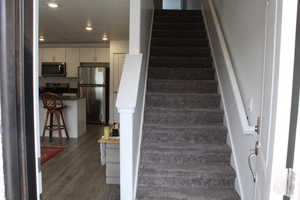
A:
{"points": [[54, 105]]}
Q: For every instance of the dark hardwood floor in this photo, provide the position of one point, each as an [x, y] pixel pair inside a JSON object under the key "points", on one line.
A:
{"points": [[76, 173]]}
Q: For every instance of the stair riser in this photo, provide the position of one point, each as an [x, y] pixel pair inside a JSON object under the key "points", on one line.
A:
{"points": [[181, 101], [180, 74], [185, 158], [156, 42], [189, 181], [183, 118], [175, 87], [183, 51], [184, 137], [178, 19], [179, 34], [178, 27]]}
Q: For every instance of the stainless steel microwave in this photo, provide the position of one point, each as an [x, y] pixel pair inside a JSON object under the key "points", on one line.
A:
{"points": [[53, 69]]}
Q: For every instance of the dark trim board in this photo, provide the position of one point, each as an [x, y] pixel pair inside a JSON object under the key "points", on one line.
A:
{"points": [[16, 88]]}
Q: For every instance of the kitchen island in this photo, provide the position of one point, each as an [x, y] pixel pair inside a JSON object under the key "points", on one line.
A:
{"points": [[74, 115]]}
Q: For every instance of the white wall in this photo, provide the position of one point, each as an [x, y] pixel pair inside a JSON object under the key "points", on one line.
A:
{"points": [[193, 4], [243, 25], [239, 143], [244, 34]]}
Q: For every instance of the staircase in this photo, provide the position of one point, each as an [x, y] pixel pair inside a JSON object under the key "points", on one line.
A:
{"points": [[184, 154]]}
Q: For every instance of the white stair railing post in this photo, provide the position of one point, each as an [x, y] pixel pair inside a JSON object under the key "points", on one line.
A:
{"points": [[126, 153]]}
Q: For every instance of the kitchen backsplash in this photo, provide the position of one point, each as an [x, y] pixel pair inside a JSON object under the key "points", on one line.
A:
{"points": [[73, 82]]}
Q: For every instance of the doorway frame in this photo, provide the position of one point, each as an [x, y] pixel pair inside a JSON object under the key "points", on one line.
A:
{"points": [[17, 112]]}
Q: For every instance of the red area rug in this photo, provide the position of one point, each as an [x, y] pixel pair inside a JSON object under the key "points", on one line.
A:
{"points": [[49, 152]]}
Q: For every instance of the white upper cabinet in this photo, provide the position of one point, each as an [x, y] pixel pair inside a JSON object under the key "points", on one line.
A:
{"points": [[60, 55], [72, 61], [88, 55], [94, 54], [54, 55], [102, 54], [73, 56]]}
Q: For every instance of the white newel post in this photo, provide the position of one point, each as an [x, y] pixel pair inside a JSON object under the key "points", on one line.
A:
{"points": [[126, 153]]}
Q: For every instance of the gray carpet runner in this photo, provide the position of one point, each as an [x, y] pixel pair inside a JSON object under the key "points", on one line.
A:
{"points": [[184, 154]]}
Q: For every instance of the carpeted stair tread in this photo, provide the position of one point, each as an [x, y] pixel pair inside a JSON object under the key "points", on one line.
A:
{"points": [[179, 61], [181, 116], [178, 12], [195, 126], [195, 176], [201, 148], [178, 26], [181, 110], [169, 169], [185, 154], [179, 34], [182, 100], [183, 86], [179, 19], [190, 51], [174, 42], [191, 135], [181, 73], [167, 193]]}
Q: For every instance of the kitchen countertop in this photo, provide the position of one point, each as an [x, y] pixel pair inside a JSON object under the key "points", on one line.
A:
{"points": [[110, 140]]}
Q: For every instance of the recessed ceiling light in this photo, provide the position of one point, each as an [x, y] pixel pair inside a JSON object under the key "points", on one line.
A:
{"points": [[89, 28], [105, 37], [42, 39], [52, 5]]}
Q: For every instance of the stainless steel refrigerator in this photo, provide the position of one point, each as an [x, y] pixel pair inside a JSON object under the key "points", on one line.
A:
{"points": [[94, 86]]}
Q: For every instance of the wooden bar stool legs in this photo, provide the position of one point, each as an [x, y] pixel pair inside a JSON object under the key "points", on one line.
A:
{"points": [[57, 117], [64, 124]]}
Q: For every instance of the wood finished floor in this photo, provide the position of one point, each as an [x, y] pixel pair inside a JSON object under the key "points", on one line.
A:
{"points": [[75, 174]]}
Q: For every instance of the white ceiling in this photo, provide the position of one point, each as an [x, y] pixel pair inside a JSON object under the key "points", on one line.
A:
{"points": [[67, 23]]}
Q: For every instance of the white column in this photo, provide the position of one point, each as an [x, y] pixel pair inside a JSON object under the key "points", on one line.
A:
{"points": [[134, 27], [126, 153]]}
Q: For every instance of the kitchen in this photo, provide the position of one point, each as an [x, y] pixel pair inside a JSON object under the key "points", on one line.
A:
{"points": [[80, 70]]}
